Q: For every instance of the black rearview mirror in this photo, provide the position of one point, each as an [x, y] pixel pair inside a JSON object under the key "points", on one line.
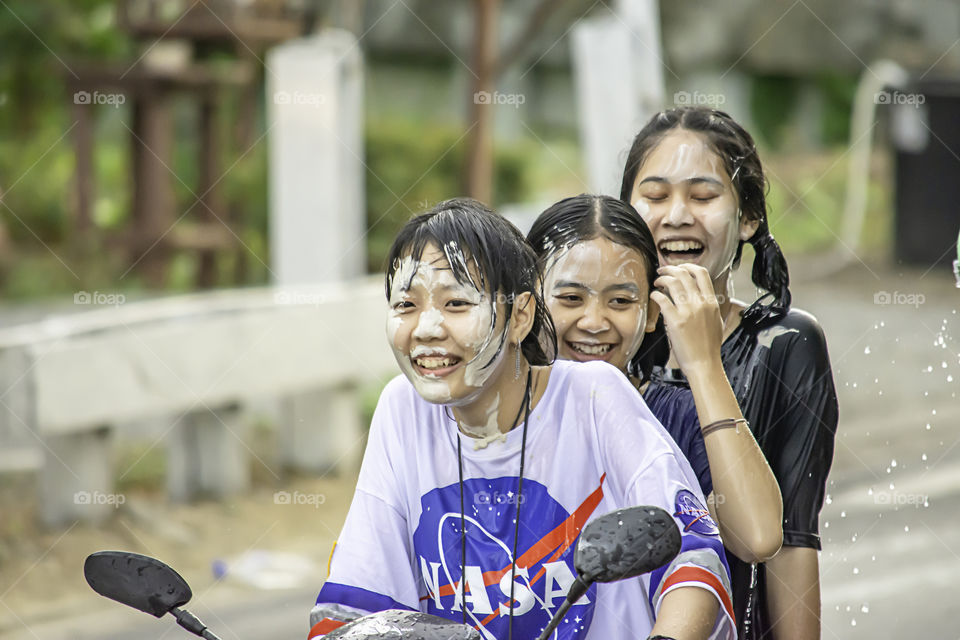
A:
{"points": [[626, 543], [619, 545], [137, 581]]}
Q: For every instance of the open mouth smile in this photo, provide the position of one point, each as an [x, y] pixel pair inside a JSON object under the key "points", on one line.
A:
{"points": [[435, 366], [584, 351], [674, 251]]}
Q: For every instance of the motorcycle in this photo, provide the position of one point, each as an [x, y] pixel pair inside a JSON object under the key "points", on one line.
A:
{"points": [[622, 544]]}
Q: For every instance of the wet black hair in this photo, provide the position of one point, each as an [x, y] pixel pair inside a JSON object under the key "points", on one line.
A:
{"points": [[738, 152], [469, 233], [585, 217]]}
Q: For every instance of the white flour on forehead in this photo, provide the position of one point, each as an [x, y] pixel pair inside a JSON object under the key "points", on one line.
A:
{"points": [[574, 262], [457, 258], [583, 262], [688, 156]]}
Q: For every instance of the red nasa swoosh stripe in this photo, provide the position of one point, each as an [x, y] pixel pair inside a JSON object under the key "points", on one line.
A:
{"points": [[557, 541]]}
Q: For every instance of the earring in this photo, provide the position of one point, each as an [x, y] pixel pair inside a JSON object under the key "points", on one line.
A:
{"points": [[516, 373]]}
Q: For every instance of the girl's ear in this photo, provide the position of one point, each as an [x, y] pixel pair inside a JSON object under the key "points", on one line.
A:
{"points": [[521, 320], [653, 314], [748, 227]]}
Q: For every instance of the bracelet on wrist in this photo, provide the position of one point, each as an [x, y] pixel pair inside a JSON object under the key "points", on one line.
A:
{"points": [[726, 423]]}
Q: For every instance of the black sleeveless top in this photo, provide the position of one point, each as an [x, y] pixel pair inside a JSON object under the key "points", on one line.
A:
{"points": [[780, 373]]}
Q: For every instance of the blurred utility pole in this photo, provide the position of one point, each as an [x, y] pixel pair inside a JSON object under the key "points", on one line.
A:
{"points": [[487, 66], [479, 176]]}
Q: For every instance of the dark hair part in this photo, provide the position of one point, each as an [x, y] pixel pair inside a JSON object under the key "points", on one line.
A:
{"points": [[469, 233], [738, 152], [585, 217]]}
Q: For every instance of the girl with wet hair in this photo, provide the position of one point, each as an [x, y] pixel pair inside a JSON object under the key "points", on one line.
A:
{"points": [[486, 458], [608, 298], [695, 177]]}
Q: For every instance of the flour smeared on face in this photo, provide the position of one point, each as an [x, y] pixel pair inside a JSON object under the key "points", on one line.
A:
{"points": [[445, 311], [595, 272], [683, 193], [489, 346]]}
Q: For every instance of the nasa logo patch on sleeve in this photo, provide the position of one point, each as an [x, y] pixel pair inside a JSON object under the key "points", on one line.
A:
{"points": [[694, 516]]}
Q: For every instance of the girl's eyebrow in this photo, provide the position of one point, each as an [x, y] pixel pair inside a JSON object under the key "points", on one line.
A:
{"points": [[569, 284], [694, 180], [626, 286], [450, 286]]}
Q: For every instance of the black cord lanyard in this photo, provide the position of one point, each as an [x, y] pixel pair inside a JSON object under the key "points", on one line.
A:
{"points": [[525, 411]]}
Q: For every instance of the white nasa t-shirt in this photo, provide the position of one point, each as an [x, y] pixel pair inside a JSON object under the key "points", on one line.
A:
{"points": [[592, 447]]}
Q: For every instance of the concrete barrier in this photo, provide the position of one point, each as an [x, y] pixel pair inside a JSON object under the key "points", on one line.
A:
{"points": [[68, 381]]}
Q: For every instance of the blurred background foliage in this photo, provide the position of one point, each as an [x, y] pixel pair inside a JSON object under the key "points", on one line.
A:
{"points": [[412, 162], [410, 169]]}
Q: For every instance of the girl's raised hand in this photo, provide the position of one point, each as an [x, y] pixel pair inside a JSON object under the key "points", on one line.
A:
{"points": [[691, 315]]}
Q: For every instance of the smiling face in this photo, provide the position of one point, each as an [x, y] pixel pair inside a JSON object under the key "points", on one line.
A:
{"points": [[598, 295], [442, 331], [688, 200]]}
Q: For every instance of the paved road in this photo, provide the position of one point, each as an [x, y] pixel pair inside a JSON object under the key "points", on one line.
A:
{"points": [[891, 540], [891, 537]]}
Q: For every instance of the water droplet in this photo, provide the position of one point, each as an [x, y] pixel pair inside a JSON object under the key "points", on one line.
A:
{"points": [[928, 426], [866, 350], [943, 365], [929, 369], [893, 462], [923, 457], [853, 623], [854, 385], [828, 499], [870, 491], [843, 514], [856, 571], [949, 378], [907, 528], [864, 609]]}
